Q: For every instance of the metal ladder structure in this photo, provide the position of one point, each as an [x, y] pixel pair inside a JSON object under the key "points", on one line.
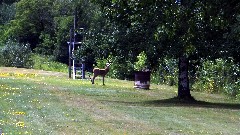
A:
{"points": [[76, 67]]}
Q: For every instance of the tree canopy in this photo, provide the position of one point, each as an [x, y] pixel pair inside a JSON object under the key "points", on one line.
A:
{"points": [[192, 27], [203, 28]]}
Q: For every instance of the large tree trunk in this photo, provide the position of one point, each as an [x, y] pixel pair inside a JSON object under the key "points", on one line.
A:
{"points": [[183, 80]]}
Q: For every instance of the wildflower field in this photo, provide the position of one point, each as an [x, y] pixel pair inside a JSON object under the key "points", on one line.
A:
{"points": [[38, 102]]}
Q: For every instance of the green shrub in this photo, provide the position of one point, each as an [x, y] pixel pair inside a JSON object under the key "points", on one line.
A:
{"points": [[218, 76], [167, 73], [233, 89], [141, 62], [123, 71], [119, 69], [1, 55], [15, 54], [101, 63], [45, 63]]}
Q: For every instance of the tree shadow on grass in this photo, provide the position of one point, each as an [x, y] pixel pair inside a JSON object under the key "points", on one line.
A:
{"points": [[171, 102], [176, 102]]}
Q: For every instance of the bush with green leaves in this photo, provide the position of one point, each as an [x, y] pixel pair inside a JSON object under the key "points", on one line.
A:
{"points": [[7, 12], [167, 73], [46, 63], [16, 54], [119, 68], [101, 63], [123, 71], [141, 63], [218, 76]]}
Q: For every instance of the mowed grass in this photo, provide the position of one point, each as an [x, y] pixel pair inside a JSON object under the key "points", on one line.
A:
{"points": [[41, 103]]}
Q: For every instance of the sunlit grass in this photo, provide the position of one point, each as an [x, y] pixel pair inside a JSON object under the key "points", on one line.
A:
{"points": [[43, 104], [17, 75]]}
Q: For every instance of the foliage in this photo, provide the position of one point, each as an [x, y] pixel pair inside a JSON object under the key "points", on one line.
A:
{"points": [[234, 39], [15, 54], [101, 63], [8, 1], [184, 28], [7, 12], [122, 70], [62, 26], [31, 19], [220, 75], [46, 47], [128, 27], [141, 63], [45, 63], [167, 72], [118, 68], [233, 89], [45, 25]]}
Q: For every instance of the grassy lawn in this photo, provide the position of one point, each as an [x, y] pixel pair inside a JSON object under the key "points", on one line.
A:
{"points": [[41, 103]]}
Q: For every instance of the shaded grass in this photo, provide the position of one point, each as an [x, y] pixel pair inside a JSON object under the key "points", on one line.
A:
{"points": [[50, 104]]}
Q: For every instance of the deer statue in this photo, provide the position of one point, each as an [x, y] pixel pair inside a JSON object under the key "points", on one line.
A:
{"points": [[100, 72]]}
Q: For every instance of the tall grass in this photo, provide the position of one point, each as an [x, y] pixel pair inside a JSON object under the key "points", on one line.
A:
{"points": [[45, 63]]}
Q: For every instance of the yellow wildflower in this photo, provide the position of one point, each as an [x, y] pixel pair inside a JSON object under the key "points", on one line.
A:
{"points": [[20, 124], [20, 113]]}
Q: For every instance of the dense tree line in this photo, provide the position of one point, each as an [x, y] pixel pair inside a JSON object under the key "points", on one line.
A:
{"points": [[188, 30]]}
